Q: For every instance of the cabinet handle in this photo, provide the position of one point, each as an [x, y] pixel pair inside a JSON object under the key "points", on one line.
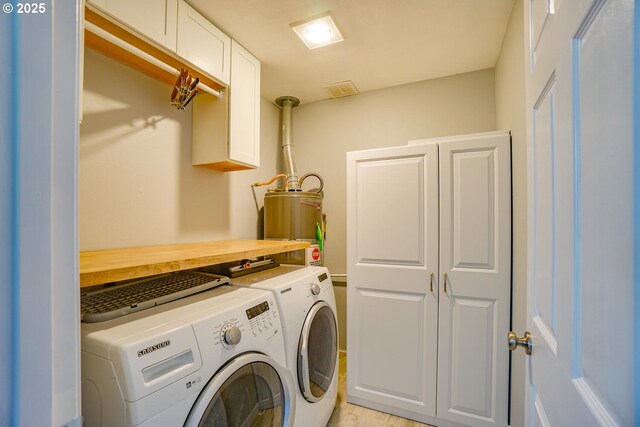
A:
{"points": [[431, 282], [445, 282]]}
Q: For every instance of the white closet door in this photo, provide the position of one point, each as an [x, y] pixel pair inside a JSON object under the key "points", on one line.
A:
{"points": [[475, 254], [392, 223]]}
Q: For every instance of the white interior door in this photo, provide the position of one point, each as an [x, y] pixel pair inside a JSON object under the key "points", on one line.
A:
{"points": [[392, 250], [475, 279], [580, 101]]}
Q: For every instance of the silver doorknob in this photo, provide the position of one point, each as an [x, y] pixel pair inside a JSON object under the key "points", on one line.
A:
{"points": [[524, 342]]}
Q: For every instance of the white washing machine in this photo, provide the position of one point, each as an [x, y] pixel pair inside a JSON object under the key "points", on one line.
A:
{"points": [[307, 305], [212, 359]]}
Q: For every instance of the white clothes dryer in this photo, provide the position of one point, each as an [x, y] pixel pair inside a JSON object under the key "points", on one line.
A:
{"points": [[211, 359], [307, 305]]}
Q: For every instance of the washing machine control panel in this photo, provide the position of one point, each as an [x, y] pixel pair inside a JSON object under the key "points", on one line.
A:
{"points": [[262, 316]]}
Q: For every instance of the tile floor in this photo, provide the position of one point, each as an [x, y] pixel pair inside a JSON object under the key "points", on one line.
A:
{"points": [[348, 415]]}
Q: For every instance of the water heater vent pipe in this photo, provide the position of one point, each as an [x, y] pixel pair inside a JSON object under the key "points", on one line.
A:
{"points": [[287, 103]]}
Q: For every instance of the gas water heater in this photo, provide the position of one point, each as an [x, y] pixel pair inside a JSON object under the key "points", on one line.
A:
{"points": [[290, 213]]}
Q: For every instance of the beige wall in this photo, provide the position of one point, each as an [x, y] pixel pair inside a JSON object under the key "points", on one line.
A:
{"points": [[324, 131], [510, 114], [137, 185]]}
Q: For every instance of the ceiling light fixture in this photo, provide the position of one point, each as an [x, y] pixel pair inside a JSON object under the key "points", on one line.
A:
{"points": [[317, 31]]}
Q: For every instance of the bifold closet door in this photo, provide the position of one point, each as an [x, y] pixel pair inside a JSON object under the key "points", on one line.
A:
{"points": [[475, 256], [392, 223]]}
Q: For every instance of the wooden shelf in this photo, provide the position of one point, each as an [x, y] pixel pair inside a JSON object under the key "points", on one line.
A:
{"points": [[104, 266]]}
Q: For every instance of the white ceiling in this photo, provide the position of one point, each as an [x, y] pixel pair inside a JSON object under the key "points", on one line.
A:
{"points": [[387, 42]]}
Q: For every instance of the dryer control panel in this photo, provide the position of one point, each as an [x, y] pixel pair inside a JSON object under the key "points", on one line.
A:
{"points": [[318, 284]]}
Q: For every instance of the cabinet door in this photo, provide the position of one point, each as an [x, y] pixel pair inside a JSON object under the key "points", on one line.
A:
{"points": [[392, 249], [244, 126], [202, 44], [156, 19], [475, 254]]}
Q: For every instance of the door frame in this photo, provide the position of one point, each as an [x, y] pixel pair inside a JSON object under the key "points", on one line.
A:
{"points": [[41, 338]]}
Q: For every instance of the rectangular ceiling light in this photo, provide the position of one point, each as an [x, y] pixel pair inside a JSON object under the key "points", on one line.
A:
{"points": [[317, 31]]}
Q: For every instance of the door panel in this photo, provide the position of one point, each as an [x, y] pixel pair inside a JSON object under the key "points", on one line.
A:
{"points": [[544, 280], [540, 417], [540, 12], [394, 182], [475, 253], [474, 210], [606, 216], [392, 223], [472, 320], [581, 192], [402, 375]]}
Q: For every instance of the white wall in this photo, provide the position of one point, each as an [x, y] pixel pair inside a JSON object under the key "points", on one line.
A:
{"points": [[324, 131], [137, 185], [510, 114]]}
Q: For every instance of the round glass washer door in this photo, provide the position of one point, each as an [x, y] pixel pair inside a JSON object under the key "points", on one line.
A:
{"points": [[251, 390], [317, 352]]}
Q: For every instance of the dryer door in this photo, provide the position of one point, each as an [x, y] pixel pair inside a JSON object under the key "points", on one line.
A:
{"points": [[250, 390], [317, 352]]}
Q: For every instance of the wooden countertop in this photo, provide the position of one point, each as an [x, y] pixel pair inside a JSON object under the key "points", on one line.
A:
{"points": [[104, 266]]}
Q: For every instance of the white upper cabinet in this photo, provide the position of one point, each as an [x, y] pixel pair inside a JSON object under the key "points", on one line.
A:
{"points": [[202, 44], [226, 129], [244, 114], [155, 19], [226, 132]]}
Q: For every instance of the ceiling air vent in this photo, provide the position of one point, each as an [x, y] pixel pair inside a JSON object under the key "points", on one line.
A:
{"points": [[342, 89]]}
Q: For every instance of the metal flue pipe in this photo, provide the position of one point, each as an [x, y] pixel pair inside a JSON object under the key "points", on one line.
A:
{"points": [[287, 103]]}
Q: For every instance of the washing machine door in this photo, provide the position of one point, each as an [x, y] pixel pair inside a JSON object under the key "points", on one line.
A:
{"points": [[250, 390], [317, 352]]}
